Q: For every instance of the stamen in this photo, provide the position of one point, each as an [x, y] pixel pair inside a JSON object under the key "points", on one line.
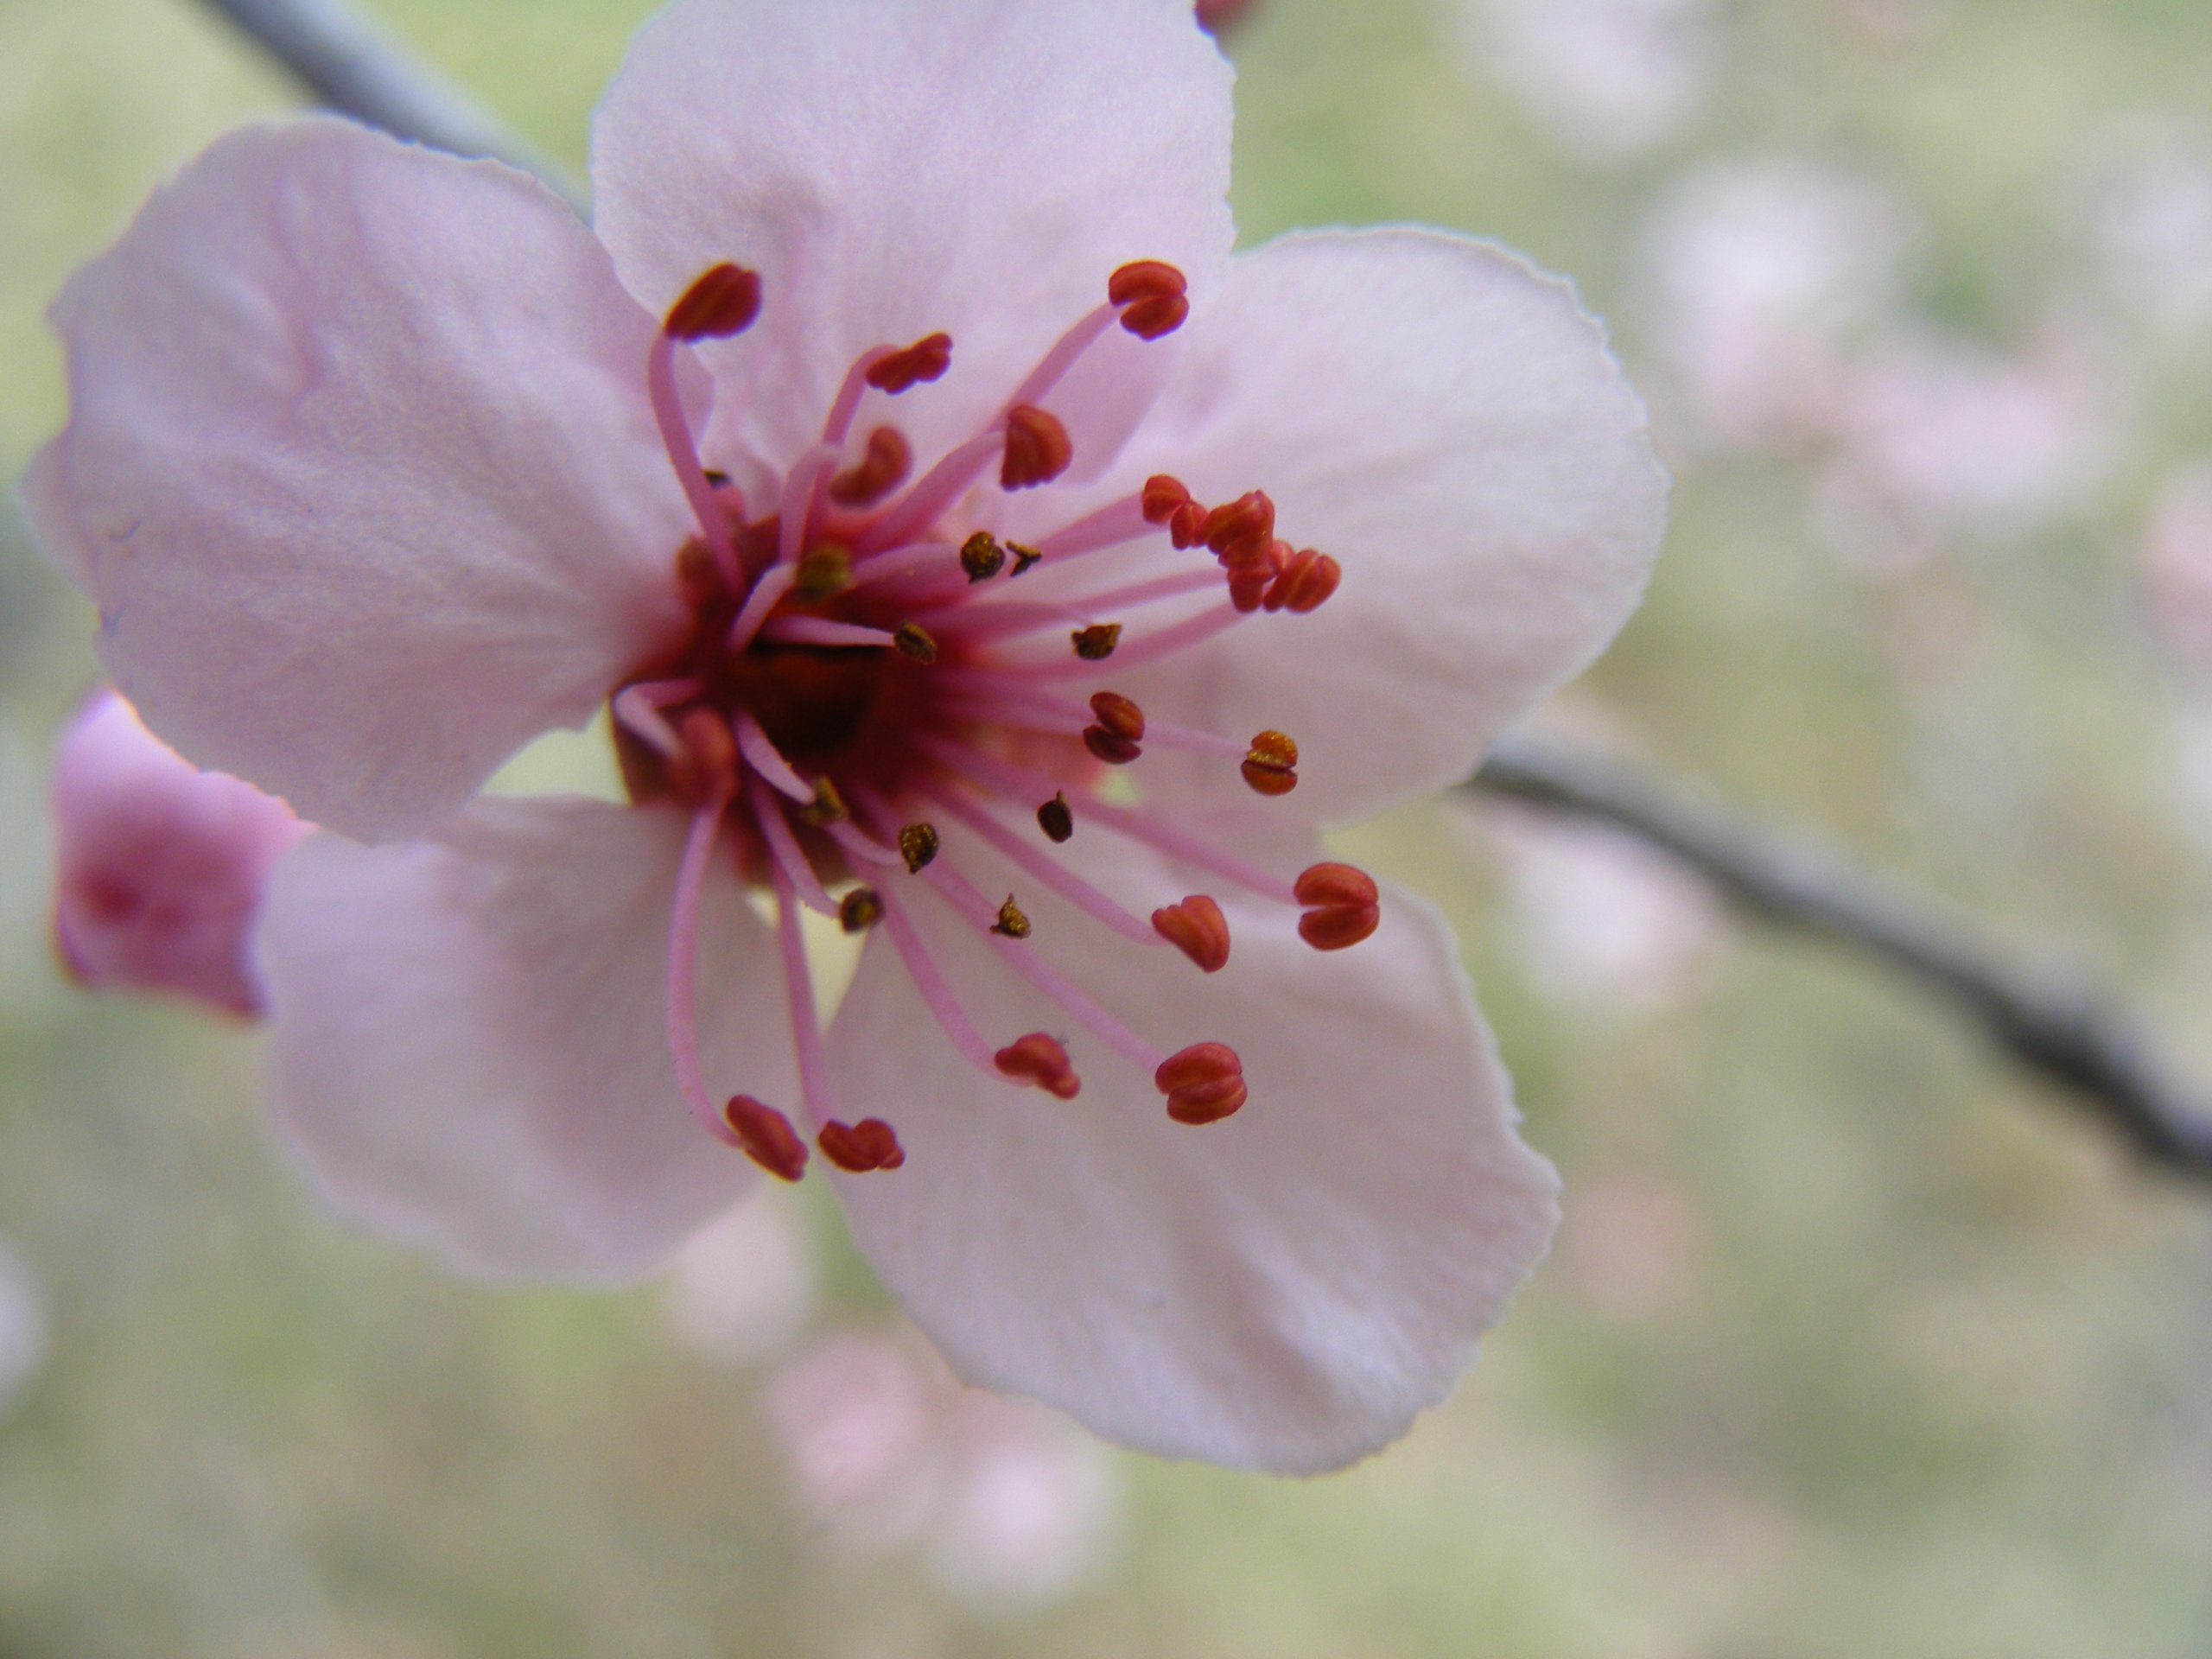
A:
{"points": [[1271, 764], [1096, 643], [798, 991], [683, 961], [1342, 906], [1170, 640], [1005, 620], [918, 845], [1039, 1059], [859, 1148], [703, 769], [765, 1135], [1038, 449], [759, 604], [683, 457], [1204, 1082], [789, 858], [982, 558], [722, 302], [766, 759], [637, 707], [1048, 871], [1198, 929], [1024, 558], [1161, 495], [1055, 819], [859, 910], [1011, 924], [1150, 293], [1306, 583], [925, 359], [1246, 522], [936, 990], [828, 806], [914, 643], [881, 470], [1120, 724], [821, 631], [935, 491]]}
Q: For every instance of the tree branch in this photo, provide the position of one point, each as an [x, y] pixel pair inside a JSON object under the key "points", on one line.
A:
{"points": [[351, 67], [2047, 1019]]}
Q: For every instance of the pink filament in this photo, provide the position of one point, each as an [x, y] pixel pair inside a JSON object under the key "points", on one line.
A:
{"points": [[784, 850], [638, 709], [937, 991], [684, 455], [935, 491], [1147, 648], [763, 600], [1109, 526], [821, 630], [767, 760], [798, 991], [1048, 870], [683, 964]]}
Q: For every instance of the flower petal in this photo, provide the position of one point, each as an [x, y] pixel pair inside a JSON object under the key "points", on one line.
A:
{"points": [[1449, 424], [467, 1047], [979, 167], [1280, 1290], [361, 470]]}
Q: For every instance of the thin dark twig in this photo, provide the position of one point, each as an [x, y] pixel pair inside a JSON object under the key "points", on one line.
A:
{"points": [[2049, 1020], [350, 65]]}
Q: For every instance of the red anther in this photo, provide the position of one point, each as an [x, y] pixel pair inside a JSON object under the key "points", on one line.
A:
{"points": [[705, 768], [1037, 449], [1162, 495], [925, 359], [1248, 521], [859, 1148], [1150, 293], [1271, 765], [1186, 525], [766, 1136], [722, 302], [1204, 1082], [1039, 1060], [878, 473], [1307, 581], [1198, 929], [1144, 279], [1341, 907], [1113, 750], [1118, 715]]}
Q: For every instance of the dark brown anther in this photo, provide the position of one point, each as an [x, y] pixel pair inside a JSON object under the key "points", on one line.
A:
{"points": [[925, 359], [1011, 924], [1342, 906], [1204, 1082], [1041, 1061], [1095, 643], [1271, 764], [1113, 750], [1055, 819], [859, 910], [918, 845], [881, 469], [766, 1136], [914, 643], [716, 479], [1198, 929], [704, 767], [1150, 293], [1307, 580], [1162, 495], [1038, 449], [723, 301], [1024, 557], [828, 806], [1120, 723], [859, 1148], [824, 569], [1247, 522], [1186, 525], [982, 558]]}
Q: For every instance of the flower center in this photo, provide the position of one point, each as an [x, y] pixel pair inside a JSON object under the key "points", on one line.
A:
{"points": [[861, 663]]}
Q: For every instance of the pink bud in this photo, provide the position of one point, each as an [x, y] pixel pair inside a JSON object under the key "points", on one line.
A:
{"points": [[161, 866]]}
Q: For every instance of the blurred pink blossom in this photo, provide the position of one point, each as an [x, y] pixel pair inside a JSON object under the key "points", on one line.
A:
{"points": [[2175, 556], [2149, 213], [1758, 275], [745, 1288], [1606, 78], [161, 866], [1631, 1243], [1009, 1506]]}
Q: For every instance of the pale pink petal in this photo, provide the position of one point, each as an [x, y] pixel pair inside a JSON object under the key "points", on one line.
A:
{"points": [[160, 868], [1450, 426], [1280, 1290], [467, 1048], [360, 470], [979, 167]]}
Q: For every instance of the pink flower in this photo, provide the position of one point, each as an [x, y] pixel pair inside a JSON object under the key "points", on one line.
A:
{"points": [[161, 866], [865, 461]]}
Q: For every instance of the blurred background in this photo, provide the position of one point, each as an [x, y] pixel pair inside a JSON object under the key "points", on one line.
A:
{"points": [[1853, 1343]]}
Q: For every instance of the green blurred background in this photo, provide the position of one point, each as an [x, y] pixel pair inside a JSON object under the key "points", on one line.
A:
{"points": [[1853, 1343]]}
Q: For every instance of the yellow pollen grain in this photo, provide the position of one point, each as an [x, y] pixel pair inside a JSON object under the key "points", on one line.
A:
{"points": [[1011, 924], [1096, 643]]}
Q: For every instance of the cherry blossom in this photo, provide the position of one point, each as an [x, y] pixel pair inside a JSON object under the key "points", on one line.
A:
{"points": [[970, 551], [161, 868]]}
